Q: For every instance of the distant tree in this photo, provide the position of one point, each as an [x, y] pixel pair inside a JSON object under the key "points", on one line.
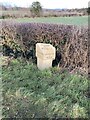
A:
{"points": [[36, 9]]}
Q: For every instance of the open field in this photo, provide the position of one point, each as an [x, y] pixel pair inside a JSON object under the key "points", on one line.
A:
{"points": [[78, 20]]}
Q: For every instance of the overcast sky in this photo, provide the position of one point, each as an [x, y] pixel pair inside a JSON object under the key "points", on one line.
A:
{"points": [[50, 3]]}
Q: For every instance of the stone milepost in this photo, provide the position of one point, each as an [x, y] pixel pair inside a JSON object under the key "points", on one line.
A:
{"points": [[45, 54]]}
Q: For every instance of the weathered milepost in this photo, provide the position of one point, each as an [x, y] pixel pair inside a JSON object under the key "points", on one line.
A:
{"points": [[45, 54]]}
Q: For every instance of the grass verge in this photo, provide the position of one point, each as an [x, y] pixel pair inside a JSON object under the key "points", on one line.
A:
{"points": [[31, 93]]}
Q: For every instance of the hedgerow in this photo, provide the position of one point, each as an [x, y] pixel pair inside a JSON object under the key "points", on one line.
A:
{"points": [[70, 41]]}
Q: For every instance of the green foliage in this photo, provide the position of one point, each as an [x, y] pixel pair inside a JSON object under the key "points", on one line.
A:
{"points": [[31, 93], [78, 111]]}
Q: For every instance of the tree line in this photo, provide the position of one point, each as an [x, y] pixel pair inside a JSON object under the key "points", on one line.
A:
{"points": [[36, 10]]}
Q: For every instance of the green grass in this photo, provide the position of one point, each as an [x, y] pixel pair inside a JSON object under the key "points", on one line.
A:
{"points": [[29, 92], [77, 20]]}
